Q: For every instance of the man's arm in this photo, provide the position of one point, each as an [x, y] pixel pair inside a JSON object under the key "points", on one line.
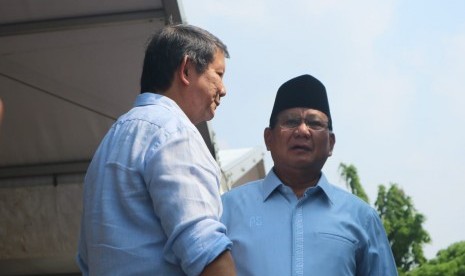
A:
{"points": [[378, 258], [183, 182], [223, 265]]}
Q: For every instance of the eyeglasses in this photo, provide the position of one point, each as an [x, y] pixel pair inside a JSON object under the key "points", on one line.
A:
{"points": [[293, 122]]}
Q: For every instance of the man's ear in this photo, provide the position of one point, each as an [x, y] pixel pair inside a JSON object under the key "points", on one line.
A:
{"points": [[267, 135], [183, 70], [332, 142]]}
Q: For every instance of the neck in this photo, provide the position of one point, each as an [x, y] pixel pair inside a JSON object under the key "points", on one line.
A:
{"points": [[177, 94], [298, 180]]}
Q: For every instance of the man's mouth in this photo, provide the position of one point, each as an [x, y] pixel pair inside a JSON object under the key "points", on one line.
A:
{"points": [[301, 147]]}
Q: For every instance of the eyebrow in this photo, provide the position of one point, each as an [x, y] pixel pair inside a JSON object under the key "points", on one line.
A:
{"points": [[300, 116]]}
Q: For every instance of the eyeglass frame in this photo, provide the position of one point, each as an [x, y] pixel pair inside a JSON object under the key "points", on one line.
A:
{"points": [[311, 124]]}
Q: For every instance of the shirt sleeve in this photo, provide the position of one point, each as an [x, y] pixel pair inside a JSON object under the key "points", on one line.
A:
{"points": [[377, 258], [183, 181]]}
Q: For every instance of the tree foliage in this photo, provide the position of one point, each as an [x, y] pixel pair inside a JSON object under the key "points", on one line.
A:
{"points": [[450, 262], [350, 175], [403, 224], [404, 227]]}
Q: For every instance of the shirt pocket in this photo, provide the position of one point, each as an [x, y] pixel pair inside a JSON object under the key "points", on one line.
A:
{"points": [[331, 254], [336, 237]]}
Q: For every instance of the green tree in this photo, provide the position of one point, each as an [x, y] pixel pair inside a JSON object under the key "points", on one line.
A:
{"points": [[450, 262], [404, 227], [350, 176]]}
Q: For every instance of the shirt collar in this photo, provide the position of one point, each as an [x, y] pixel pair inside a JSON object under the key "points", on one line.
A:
{"points": [[327, 188], [272, 182], [149, 98]]}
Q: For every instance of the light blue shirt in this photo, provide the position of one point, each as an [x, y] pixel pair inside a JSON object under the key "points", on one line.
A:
{"points": [[151, 204], [327, 232]]}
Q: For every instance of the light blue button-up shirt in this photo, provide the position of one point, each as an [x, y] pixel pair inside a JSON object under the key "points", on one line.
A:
{"points": [[151, 200], [327, 232]]}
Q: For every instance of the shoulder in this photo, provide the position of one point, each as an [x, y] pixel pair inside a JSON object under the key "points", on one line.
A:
{"points": [[151, 109], [354, 208], [244, 192], [158, 116], [161, 120], [240, 201], [348, 201], [159, 125]]}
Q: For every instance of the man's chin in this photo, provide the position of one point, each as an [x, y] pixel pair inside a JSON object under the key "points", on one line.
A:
{"points": [[212, 113], [209, 117]]}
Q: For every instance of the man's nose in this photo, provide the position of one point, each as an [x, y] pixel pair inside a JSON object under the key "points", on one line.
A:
{"points": [[223, 91], [302, 128]]}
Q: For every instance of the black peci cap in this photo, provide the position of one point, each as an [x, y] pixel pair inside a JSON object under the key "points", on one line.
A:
{"points": [[303, 91]]}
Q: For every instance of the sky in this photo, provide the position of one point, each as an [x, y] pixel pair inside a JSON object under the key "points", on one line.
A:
{"points": [[395, 76]]}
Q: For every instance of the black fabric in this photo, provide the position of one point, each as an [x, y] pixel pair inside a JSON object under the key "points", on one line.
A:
{"points": [[302, 91]]}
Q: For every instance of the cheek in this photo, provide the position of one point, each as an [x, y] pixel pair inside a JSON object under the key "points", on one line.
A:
{"points": [[324, 144], [217, 82], [279, 145]]}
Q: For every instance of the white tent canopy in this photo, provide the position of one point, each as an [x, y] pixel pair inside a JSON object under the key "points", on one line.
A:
{"points": [[68, 69]]}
